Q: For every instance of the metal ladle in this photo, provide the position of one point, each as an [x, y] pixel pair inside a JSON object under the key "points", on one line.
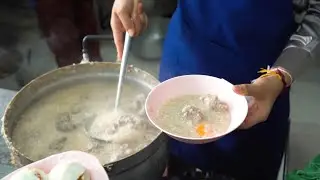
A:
{"points": [[86, 127], [122, 74], [123, 68]]}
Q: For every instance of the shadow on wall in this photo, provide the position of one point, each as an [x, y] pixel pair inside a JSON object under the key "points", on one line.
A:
{"points": [[18, 24], [10, 58]]}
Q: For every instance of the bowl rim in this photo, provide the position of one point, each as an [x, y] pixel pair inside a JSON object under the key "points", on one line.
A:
{"points": [[184, 137]]}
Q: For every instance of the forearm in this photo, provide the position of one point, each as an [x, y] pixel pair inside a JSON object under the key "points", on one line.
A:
{"points": [[303, 48]]}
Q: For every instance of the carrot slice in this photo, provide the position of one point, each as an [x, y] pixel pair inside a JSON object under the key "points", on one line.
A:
{"points": [[204, 129], [201, 130]]}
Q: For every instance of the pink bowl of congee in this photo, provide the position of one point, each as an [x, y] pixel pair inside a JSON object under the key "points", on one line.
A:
{"points": [[196, 109]]}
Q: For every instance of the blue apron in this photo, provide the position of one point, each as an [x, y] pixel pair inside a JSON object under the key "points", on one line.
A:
{"points": [[231, 40]]}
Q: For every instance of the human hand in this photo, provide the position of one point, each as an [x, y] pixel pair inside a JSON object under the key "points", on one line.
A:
{"points": [[127, 16], [263, 92]]}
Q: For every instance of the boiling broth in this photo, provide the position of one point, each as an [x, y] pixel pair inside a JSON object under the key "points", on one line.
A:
{"points": [[55, 123]]}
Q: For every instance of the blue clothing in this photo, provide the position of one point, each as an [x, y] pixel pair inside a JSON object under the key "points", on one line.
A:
{"points": [[232, 40]]}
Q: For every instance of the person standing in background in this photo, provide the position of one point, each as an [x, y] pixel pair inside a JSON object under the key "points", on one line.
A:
{"points": [[64, 23]]}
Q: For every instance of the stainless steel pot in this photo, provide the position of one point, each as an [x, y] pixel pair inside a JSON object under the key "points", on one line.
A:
{"points": [[148, 46], [149, 163]]}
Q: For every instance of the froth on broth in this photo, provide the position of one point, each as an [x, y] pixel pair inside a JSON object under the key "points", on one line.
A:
{"points": [[194, 116], [55, 123]]}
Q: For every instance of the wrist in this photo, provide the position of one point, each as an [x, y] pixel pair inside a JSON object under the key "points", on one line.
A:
{"points": [[272, 84], [285, 75]]}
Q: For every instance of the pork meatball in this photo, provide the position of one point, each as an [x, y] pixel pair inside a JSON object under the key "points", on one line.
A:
{"points": [[129, 119], [221, 106], [191, 114], [210, 101], [58, 144], [64, 123], [138, 104], [213, 102]]}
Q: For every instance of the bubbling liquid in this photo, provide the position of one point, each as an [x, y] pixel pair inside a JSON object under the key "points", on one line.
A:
{"points": [[55, 123]]}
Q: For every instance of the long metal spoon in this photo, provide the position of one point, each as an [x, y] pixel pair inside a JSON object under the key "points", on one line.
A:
{"points": [[87, 126], [123, 68]]}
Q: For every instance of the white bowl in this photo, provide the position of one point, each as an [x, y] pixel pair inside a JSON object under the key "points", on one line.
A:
{"points": [[196, 85]]}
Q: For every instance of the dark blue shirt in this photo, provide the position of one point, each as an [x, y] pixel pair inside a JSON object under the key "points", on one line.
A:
{"points": [[230, 40]]}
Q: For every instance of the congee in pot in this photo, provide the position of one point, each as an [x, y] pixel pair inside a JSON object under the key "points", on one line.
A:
{"points": [[55, 122]]}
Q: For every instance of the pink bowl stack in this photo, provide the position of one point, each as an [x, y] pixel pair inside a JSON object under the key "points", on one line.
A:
{"points": [[90, 162]]}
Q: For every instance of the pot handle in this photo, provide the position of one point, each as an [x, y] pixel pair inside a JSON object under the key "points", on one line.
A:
{"points": [[85, 54]]}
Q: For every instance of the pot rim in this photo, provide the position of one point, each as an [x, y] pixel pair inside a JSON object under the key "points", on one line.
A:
{"points": [[5, 129]]}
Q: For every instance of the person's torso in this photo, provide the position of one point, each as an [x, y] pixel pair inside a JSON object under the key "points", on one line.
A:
{"points": [[230, 40], [227, 39]]}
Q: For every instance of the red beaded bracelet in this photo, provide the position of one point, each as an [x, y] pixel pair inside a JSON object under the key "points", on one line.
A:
{"points": [[274, 72], [282, 77]]}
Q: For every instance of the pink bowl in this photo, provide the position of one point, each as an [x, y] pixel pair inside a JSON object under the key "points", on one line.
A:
{"points": [[90, 162], [196, 84]]}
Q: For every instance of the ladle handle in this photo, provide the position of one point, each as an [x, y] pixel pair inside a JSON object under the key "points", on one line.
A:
{"points": [[123, 67]]}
